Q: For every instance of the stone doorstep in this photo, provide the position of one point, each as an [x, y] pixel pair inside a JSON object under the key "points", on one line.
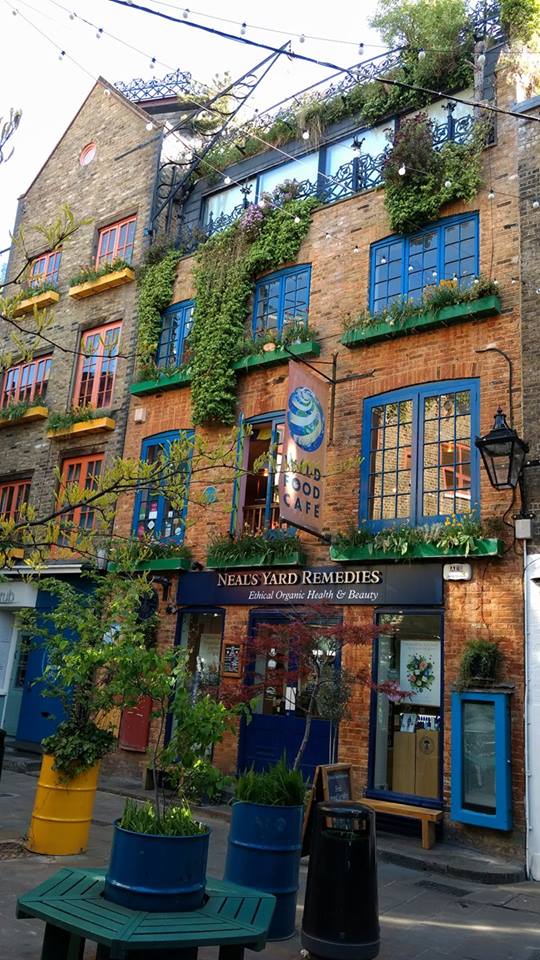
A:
{"points": [[444, 858]]}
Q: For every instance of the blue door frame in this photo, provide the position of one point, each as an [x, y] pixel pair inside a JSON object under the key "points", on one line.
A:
{"points": [[265, 739]]}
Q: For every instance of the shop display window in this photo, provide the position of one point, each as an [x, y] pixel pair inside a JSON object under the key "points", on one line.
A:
{"points": [[406, 732]]}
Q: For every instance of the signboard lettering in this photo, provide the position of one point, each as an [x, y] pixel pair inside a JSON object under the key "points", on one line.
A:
{"points": [[301, 478]]}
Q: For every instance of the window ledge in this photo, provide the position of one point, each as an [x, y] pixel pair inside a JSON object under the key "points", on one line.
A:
{"points": [[421, 551], [41, 300], [295, 560], [107, 282], [310, 348], [179, 379], [99, 424], [33, 413], [160, 563], [471, 310]]}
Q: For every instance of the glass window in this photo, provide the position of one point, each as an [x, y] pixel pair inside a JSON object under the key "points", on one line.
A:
{"points": [[405, 268], [479, 758], [256, 495], [82, 473], [96, 372], [116, 242], [45, 268], [419, 461], [305, 168], [406, 756], [26, 382], [160, 508], [227, 202], [173, 350], [13, 496], [201, 635], [341, 155], [281, 299]]}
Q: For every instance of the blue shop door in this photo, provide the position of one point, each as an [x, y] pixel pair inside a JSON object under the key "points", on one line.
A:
{"points": [[277, 726], [39, 716]]}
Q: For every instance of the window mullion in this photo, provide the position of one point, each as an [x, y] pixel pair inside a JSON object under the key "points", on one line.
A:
{"points": [[405, 271], [281, 307], [417, 459], [97, 372]]}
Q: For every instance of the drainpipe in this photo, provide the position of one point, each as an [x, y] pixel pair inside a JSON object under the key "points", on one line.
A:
{"points": [[532, 683]]}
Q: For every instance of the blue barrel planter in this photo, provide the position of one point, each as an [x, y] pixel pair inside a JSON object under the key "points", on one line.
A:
{"points": [[156, 873], [264, 853]]}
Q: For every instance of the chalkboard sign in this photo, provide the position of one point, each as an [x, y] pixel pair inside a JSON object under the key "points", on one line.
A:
{"points": [[337, 781], [231, 659]]}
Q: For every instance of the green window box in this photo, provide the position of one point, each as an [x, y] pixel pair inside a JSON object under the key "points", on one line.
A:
{"points": [[179, 379], [295, 560], [161, 563], [421, 551], [308, 349], [471, 310]]}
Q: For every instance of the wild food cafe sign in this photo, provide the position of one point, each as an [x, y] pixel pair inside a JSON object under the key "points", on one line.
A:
{"points": [[303, 466], [385, 584]]}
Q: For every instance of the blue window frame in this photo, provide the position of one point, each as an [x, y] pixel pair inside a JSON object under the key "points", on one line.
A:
{"points": [[176, 326], [280, 299], [419, 462], [256, 498], [403, 267], [154, 515]]}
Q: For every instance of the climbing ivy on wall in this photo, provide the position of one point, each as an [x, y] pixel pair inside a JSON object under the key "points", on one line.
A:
{"points": [[521, 19], [156, 287], [226, 267], [418, 179]]}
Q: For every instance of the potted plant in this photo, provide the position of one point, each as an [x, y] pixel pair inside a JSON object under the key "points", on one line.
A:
{"points": [[84, 672], [480, 664], [160, 850], [265, 839]]}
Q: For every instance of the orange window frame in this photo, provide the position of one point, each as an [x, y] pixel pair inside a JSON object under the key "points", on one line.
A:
{"points": [[25, 381], [12, 497], [96, 371], [84, 473], [116, 241]]}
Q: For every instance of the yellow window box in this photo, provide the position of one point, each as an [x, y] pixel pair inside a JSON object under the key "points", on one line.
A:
{"points": [[107, 282], [41, 300], [33, 413], [97, 425]]}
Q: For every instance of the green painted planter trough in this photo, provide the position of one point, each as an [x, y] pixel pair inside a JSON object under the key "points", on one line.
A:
{"points": [[469, 310]]}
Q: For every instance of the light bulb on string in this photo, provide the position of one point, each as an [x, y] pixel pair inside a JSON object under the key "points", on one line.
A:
{"points": [[448, 184], [297, 219], [149, 126], [106, 92], [421, 54], [152, 63], [305, 135], [72, 15], [402, 170], [99, 33], [513, 281], [302, 38], [360, 49], [186, 13], [535, 204], [328, 236], [491, 195], [481, 59], [356, 249], [411, 268], [61, 55], [243, 29], [383, 260], [227, 181]]}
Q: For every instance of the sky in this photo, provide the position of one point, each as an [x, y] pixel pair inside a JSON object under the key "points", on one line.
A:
{"points": [[49, 87]]}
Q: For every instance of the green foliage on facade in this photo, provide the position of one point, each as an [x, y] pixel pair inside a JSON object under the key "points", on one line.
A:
{"points": [[253, 548], [156, 288], [86, 274], [419, 180], [61, 421], [226, 267], [456, 533], [520, 19]]}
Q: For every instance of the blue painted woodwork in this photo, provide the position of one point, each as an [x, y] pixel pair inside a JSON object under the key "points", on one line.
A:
{"points": [[401, 268], [153, 515], [156, 873], [281, 298], [263, 852], [404, 502], [176, 323], [477, 758]]}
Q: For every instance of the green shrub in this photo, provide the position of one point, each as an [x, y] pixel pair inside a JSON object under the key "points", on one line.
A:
{"points": [[174, 821], [94, 273], [76, 747], [277, 787], [253, 547], [480, 663], [61, 421]]}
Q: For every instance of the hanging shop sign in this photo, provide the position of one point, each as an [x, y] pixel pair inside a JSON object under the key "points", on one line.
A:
{"points": [[388, 584], [303, 467]]}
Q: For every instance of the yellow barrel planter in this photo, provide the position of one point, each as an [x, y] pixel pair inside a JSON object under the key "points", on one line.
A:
{"points": [[62, 812]]}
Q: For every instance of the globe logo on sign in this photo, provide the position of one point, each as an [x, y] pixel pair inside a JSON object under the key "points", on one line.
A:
{"points": [[305, 418]]}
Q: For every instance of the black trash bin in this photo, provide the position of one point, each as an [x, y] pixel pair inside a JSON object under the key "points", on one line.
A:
{"points": [[2, 746], [341, 912]]}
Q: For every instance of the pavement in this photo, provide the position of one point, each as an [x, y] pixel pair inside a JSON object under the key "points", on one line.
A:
{"points": [[425, 915]]}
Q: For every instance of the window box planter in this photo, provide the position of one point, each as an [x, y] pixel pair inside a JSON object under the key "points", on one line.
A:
{"points": [[471, 310], [308, 349], [421, 551], [107, 282], [161, 563], [41, 300], [295, 560], [33, 413], [98, 425], [179, 379]]}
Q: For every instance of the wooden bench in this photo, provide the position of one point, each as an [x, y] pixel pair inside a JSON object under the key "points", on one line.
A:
{"points": [[428, 817], [74, 910]]}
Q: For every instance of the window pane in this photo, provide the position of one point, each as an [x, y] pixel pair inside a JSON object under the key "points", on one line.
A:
{"points": [[446, 455], [479, 772]]}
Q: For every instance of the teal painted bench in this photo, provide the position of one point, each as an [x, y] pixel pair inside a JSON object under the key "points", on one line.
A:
{"points": [[74, 910]]}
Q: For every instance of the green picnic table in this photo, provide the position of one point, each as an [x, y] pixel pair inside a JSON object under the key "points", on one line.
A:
{"points": [[72, 905]]}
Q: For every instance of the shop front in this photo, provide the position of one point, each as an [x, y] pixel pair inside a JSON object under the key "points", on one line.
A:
{"points": [[14, 596], [405, 737]]}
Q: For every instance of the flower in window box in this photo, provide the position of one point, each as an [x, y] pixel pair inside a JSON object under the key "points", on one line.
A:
{"points": [[448, 283]]}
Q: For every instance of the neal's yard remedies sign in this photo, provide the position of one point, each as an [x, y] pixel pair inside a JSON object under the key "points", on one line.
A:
{"points": [[394, 584], [301, 479]]}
